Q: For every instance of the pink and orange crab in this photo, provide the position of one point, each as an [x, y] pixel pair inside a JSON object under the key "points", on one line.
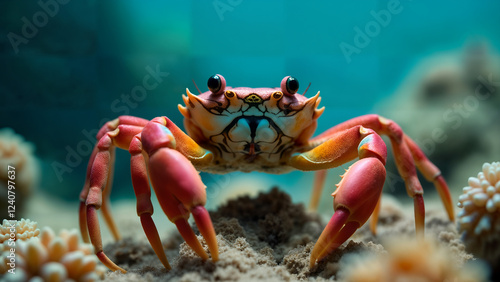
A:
{"points": [[249, 129]]}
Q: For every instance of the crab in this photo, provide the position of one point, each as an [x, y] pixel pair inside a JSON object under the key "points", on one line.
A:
{"points": [[249, 129]]}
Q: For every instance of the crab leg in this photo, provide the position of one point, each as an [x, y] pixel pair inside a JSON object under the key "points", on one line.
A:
{"points": [[105, 208], [98, 179], [319, 182], [359, 190], [178, 185], [431, 173], [143, 194], [83, 197], [406, 153], [116, 133], [374, 218], [106, 211], [134, 124]]}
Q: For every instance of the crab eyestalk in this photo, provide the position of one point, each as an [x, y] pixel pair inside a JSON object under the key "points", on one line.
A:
{"points": [[289, 85], [216, 84]]}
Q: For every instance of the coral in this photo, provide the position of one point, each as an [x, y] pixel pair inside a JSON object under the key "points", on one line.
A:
{"points": [[408, 259], [16, 152], [479, 220], [53, 258], [25, 229]]}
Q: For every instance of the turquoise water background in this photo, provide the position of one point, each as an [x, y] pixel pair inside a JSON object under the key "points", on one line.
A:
{"points": [[62, 81]]}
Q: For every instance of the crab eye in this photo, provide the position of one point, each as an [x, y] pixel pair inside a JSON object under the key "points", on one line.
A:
{"points": [[289, 85], [216, 83]]}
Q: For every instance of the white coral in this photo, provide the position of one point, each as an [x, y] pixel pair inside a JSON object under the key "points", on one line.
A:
{"points": [[481, 203], [16, 152], [479, 221], [53, 258], [409, 260], [24, 229]]}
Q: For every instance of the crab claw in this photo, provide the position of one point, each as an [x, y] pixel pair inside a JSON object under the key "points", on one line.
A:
{"points": [[179, 188], [355, 200], [180, 191]]}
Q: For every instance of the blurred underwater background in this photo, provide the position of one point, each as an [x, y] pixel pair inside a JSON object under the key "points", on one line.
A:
{"points": [[70, 66]]}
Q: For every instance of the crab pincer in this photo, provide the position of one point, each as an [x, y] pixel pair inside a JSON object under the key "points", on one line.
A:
{"points": [[355, 199], [358, 192], [178, 187]]}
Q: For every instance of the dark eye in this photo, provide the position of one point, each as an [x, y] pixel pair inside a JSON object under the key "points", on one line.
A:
{"points": [[214, 83], [289, 85], [292, 85]]}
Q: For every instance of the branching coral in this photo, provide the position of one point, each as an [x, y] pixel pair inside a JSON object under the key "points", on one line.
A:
{"points": [[17, 153], [53, 258], [479, 221], [24, 229], [408, 260]]}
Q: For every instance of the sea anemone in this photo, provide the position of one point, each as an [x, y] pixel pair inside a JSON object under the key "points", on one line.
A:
{"points": [[19, 154], [409, 260], [53, 258], [479, 220], [24, 230]]}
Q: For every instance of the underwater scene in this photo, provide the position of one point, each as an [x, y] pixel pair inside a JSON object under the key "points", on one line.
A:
{"points": [[238, 140]]}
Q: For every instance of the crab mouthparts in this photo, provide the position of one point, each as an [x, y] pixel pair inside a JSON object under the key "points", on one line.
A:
{"points": [[249, 137], [250, 148]]}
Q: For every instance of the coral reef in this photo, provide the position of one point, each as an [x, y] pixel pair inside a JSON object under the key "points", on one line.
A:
{"points": [[479, 220], [16, 152], [53, 258], [25, 229], [407, 259]]}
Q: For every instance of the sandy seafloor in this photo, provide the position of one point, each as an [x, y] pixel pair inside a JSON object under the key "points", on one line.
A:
{"points": [[264, 238]]}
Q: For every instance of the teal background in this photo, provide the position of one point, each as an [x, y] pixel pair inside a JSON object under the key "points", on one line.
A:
{"points": [[66, 77]]}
